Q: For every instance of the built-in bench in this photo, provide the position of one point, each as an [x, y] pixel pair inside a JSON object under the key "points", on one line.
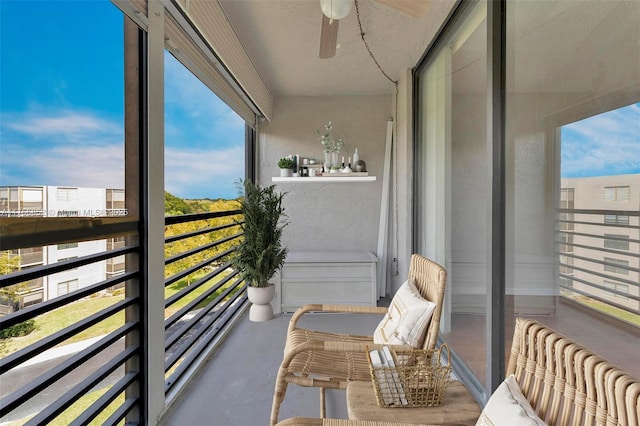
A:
{"points": [[326, 277]]}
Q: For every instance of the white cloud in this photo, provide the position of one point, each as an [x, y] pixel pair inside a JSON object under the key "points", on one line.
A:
{"points": [[96, 166], [62, 147], [66, 126], [203, 173], [606, 144]]}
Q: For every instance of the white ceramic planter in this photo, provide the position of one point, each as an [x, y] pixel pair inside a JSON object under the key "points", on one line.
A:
{"points": [[285, 172], [260, 298]]}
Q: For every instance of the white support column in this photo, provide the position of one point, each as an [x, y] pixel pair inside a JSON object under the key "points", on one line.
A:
{"points": [[155, 214]]}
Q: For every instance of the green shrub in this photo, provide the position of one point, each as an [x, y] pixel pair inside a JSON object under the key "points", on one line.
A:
{"points": [[18, 330]]}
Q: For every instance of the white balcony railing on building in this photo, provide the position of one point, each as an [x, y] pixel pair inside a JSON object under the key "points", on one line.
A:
{"points": [[599, 260]]}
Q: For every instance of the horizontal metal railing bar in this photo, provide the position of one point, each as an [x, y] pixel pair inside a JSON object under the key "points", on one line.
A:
{"points": [[195, 285], [611, 225], [600, 236], [103, 402], [69, 398], [602, 249], [601, 262], [44, 307], [178, 353], [599, 299], [601, 287], [121, 412], [41, 271], [48, 342], [199, 249], [22, 232], [602, 275], [190, 270], [600, 212], [192, 217], [21, 395], [227, 315], [190, 306], [169, 342], [208, 230]]}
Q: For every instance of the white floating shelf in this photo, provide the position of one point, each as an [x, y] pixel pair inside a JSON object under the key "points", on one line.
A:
{"points": [[325, 179]]}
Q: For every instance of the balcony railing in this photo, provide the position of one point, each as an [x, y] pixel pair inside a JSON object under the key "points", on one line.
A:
{"points": [[202, 293], [84, 358], [599, 260]]}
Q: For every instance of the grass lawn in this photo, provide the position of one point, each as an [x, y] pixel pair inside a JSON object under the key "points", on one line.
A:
{"points": [[71, 413], [49, 323], [176, 287], [60, 318], [603, 307], [615, 312]]}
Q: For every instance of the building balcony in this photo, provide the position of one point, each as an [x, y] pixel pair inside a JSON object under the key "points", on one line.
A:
{"points": [[219, 367]]}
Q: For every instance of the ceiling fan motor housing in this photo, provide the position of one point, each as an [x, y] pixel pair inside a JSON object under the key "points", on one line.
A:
{"points": [[336, 9]]}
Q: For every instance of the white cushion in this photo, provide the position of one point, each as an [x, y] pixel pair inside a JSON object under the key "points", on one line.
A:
{"points": [[508, 406], [407, 319]]}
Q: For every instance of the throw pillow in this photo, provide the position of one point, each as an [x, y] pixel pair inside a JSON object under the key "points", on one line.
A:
{"points": [[407, 319], [509, 407]]}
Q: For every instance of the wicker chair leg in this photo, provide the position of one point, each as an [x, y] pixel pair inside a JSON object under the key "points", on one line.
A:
{"points": [[278, 394], [323, 408]]}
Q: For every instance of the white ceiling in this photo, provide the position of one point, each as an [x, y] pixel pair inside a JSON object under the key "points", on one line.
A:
{"points": [[282, 38], [553, 47]]}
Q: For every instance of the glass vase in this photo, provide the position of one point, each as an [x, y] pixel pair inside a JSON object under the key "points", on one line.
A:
{"points": [[327, 162], [335, 161]]}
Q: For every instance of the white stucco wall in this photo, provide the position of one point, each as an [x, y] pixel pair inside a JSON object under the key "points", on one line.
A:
{"points": [[327, 216]]}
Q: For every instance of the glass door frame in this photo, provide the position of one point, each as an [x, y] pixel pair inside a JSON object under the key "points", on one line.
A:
{"points": [[495, 97]]}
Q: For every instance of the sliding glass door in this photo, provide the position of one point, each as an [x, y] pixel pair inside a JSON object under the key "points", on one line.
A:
{"points": [[527, 181], [453, 202]]}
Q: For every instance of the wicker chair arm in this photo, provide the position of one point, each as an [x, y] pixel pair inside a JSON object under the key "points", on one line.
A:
{"points": [[307, 421], [362, 347], [352, 309]]}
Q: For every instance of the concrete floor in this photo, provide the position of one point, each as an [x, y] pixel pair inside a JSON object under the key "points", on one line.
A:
{"points": [[235, 387]]}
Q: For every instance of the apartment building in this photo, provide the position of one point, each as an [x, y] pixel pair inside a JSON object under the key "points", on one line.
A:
{"points": [[61, 201], [599, 239]]}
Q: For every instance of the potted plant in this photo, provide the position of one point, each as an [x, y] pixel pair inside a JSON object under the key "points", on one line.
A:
{"points": [[286, 166], [260, 254]]}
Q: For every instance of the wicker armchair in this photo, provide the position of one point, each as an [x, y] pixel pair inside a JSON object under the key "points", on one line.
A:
{"points": [[328, 360], [566, 383]]}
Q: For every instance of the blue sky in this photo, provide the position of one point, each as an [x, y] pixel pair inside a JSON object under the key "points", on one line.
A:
{"points": [[603, 145], [61, 111], [62, 106]]}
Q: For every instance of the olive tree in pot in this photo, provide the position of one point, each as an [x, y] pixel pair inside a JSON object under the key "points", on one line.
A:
{"points": [[260, 254]]}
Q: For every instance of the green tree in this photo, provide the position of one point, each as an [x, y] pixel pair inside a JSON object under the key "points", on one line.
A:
{"points": [[175, 206], [10, 262], [182, 246]]}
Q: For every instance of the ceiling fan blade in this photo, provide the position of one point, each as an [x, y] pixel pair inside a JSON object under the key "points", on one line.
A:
{"points": [[416, 8], [328, 37]]}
